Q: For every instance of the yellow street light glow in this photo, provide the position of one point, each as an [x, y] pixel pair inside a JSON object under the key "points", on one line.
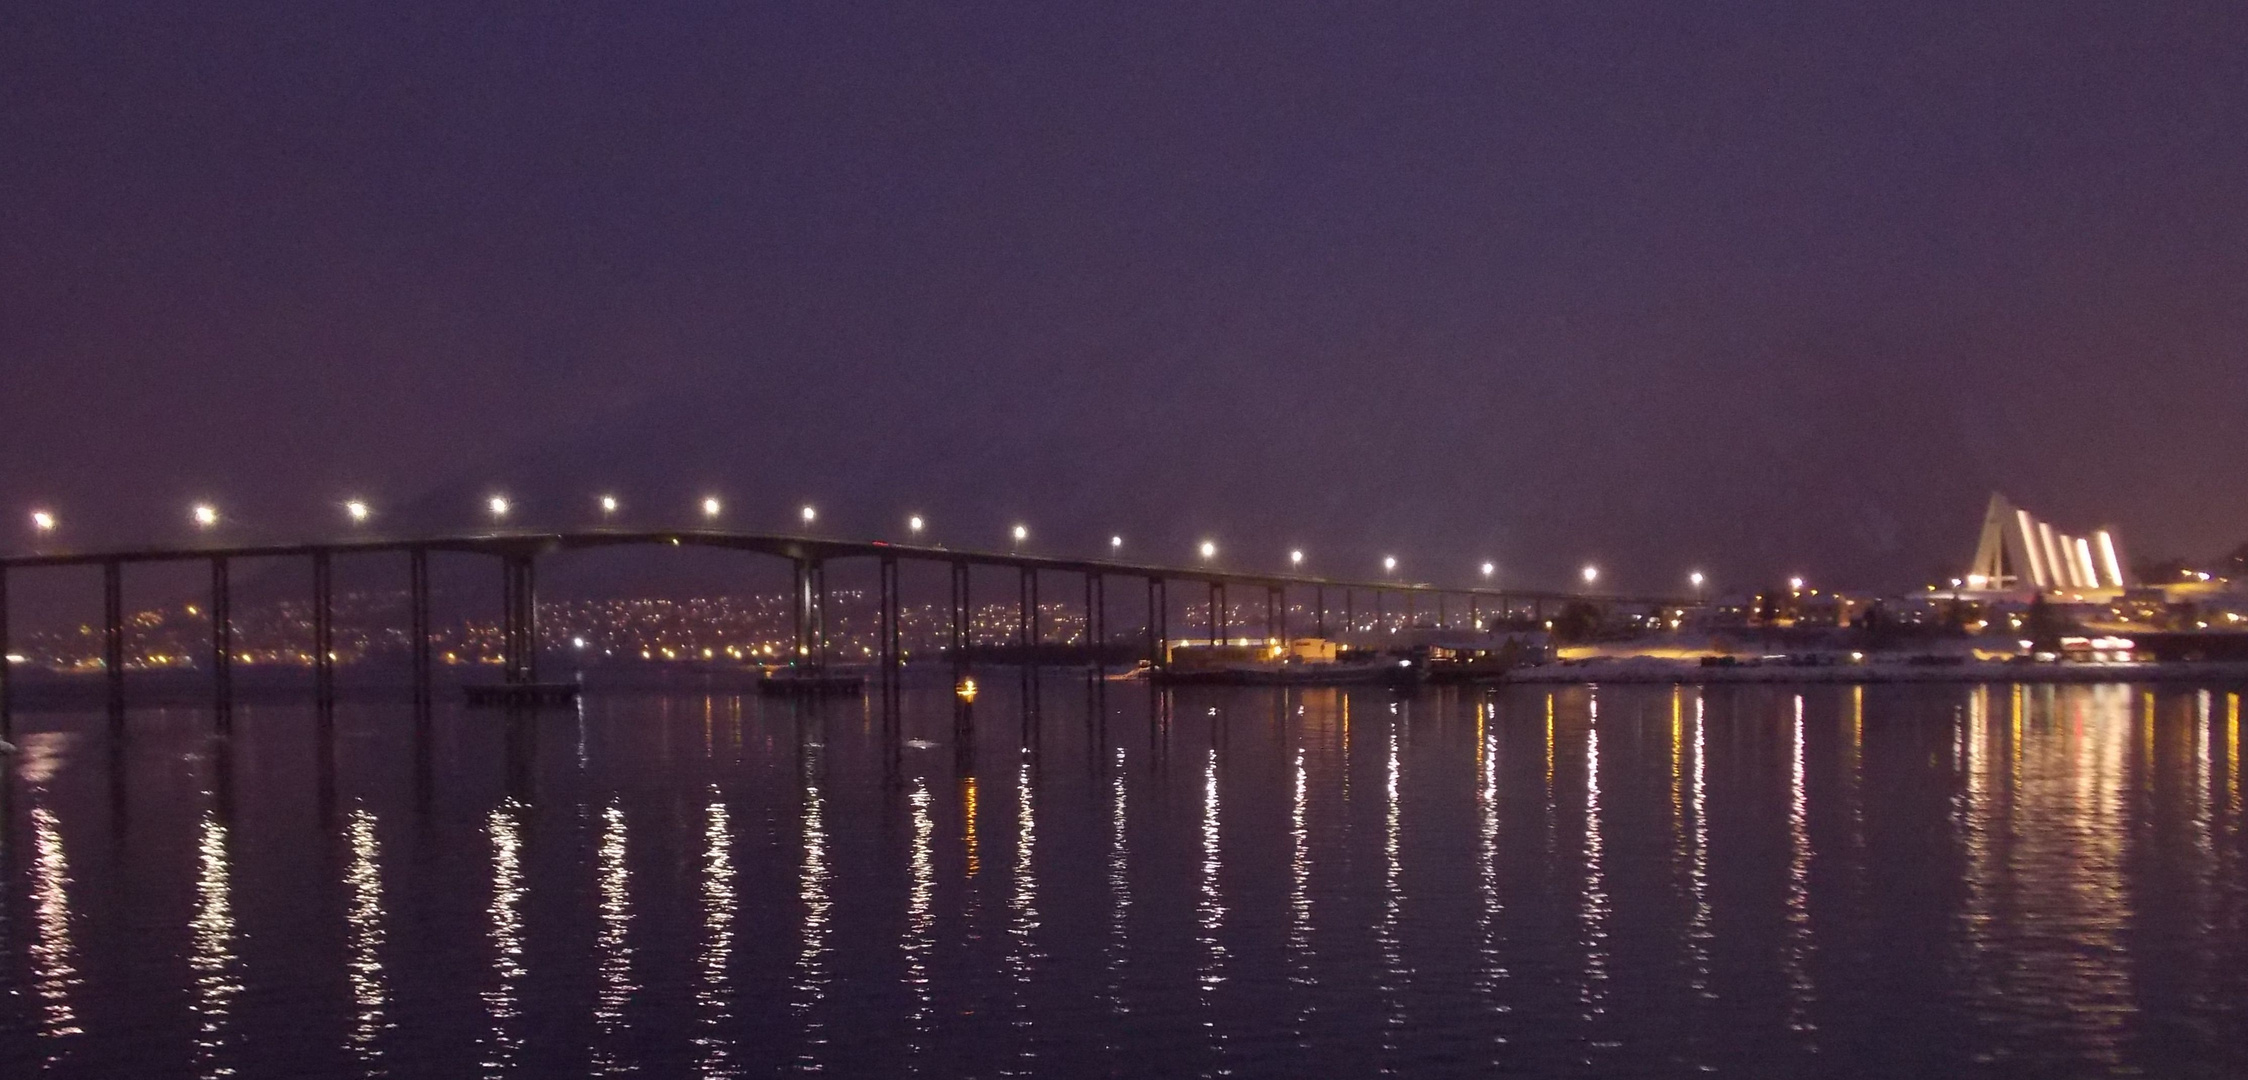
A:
{"points": [[356, 510], [608, 504], [810, 515], [42, 521], [1592, 574], [1209, 550], [498, 505], [205, 515], [711, 508]]}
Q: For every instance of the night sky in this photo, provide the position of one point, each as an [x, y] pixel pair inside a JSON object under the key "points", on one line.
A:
{"points": [[1757, 288]]}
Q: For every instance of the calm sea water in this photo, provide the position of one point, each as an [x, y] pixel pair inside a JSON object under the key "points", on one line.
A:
{"points": [[1878, 882]]}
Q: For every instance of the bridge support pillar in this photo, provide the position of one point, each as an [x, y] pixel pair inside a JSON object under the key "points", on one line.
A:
{"points": [[323, 633], [1319, 613], [7, 677], [417, 644], [222, 645], [113, 641], [519, 631], [811, 614], [1217, 613]]}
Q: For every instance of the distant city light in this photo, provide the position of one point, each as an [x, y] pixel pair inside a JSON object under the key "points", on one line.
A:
{"points": [[205, 515], [356, 510], [1389, 563], [1592, 574], [711, 507], [913, 524], [608, 505], [1209, 549], [43, 521], [810, 515]]}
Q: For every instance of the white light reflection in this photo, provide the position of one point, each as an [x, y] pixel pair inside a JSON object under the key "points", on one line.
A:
{"points": [[611, 945], [920, 921], [211, 948], [812, 891], [1394, 975], [1594, 995], [1210, 912], [1699, 931], [54, 966], [364, 935], [1120, 895], [1299, 903], [1799, 947], [1492, 971], [714, 993], [501, 1003], [1022, 934]]}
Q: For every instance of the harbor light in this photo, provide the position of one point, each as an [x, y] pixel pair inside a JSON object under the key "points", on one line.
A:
{"points": [[498, 505], [608, 506], [810, 515], [711, 507], [1209, 550], [205, 515], [357, 511], [1592, 574], [43, 521]]}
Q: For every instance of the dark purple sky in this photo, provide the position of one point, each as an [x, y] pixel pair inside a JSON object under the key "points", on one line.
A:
{"points": [[1754, 287]]}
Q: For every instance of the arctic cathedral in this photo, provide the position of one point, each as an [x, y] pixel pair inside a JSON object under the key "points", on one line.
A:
{"points": [[2018, 554]]}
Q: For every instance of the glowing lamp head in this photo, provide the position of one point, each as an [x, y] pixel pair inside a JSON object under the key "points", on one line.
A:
{"points": [[356, 510], [1795, 583], [1116, 543], [608, 505], [498, 505], [1022, 533], [1209, 550], [914, 524], [1695, 579], [205, 515], [1490, 569], [810, 515], [1295, 558], [1591, 574], [711, 507], [1389, 564], [43, 521]]}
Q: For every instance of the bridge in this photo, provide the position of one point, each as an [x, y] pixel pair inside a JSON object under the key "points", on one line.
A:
{"points": [[517, 553]]}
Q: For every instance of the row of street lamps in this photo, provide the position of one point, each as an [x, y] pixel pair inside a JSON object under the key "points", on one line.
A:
{"points": [[206, 517]]}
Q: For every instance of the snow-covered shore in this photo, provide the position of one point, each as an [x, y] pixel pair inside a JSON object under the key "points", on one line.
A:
{"points": [[1654, 669]]}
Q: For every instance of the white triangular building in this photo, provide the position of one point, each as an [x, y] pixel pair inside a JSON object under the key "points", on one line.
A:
{"points": [[2019, 553]]}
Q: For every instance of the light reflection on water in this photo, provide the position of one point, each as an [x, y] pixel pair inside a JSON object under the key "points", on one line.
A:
{"points": [[1856, 882]]}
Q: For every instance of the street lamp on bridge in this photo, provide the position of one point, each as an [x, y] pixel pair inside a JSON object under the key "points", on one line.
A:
{"points": [[357, 511], [499, 507], [205, 515], [42, 522], [711, 507]]}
